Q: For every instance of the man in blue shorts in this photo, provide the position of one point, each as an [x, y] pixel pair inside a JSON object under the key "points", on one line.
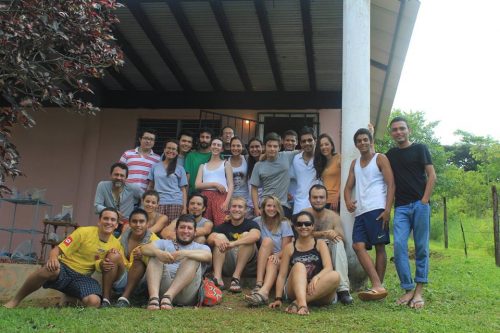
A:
{"points": [[71, 263], [372, 177]]}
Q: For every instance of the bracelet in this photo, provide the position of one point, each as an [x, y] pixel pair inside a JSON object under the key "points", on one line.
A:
{"points": [[278, 299]]}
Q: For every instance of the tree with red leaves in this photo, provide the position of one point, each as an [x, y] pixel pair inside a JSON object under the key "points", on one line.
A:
{"points": [[49, 50]]}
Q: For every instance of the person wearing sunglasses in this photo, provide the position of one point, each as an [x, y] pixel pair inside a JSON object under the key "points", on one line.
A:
{"points": [[312, 279]]}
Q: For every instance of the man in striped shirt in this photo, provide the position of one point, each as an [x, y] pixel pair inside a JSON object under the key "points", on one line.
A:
{"points": [[141, 159]]}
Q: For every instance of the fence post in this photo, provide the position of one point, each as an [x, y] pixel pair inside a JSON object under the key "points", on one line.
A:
{"points": [[495, 225], [445, 218]]}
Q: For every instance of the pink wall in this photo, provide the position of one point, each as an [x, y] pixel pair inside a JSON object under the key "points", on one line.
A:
{"points": [[68, 154]]}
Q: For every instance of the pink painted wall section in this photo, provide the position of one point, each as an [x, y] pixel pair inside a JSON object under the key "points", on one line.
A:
{"points": [[68, 154]]}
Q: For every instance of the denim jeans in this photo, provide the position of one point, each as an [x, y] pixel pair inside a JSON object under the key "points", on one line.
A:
{"points": [[412, 217]]}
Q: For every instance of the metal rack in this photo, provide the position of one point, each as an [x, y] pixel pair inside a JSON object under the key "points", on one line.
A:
{"points": [[46, 242]]}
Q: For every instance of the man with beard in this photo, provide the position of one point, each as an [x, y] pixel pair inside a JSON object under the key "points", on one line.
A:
{"points": [[117, 194], [197, 204], [141, 159], [327, 226], [303, 169], [196, 158], [71, 264], [234, 245], [175, 268]]}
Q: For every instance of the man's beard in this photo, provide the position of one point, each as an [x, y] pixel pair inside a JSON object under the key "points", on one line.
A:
{"points": [[204, 145], [318, 209], [185, 242], [117, 183]]}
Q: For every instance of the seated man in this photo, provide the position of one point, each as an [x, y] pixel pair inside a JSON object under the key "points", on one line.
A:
{"points": [[197, 204], [175, 268], [329, 228], [234, 245], [135, 263], [117, 194], [71, 263]]}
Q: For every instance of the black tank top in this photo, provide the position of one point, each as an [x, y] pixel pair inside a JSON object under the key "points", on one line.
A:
{"points": [[310, 258]]}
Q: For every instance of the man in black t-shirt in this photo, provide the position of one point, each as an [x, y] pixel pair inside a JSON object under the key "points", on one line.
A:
{"points": [[414, 177], [234, 245]]}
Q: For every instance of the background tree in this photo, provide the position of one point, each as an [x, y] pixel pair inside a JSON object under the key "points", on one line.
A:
{"points": [[49, 49]]}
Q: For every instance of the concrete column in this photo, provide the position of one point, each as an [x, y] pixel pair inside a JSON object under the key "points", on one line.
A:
{"points": [[355, 106]]}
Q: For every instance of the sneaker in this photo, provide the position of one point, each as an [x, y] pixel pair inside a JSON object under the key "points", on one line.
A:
{"points": [[122, 302], [344, 297], [105, 303]]}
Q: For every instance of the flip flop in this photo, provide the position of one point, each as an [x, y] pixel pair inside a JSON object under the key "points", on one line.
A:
{"points": [[372, 295], [417, 304]]}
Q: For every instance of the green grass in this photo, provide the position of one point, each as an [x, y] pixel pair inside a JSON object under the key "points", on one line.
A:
{"points": [[463, 296]]}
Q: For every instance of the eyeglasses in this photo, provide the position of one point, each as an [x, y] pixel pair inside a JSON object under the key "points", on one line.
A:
{"points": [[304, 224]]}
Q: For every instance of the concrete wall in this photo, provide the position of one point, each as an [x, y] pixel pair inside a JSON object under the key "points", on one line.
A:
{"points": [[68, 154]]}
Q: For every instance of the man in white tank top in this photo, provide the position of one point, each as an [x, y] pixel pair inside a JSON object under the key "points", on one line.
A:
{"points": [[371, 176]]}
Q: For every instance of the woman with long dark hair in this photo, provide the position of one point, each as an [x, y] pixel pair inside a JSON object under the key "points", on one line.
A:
{"points": [[327, 165], [255, 149], [170, 181], [312, 279]]}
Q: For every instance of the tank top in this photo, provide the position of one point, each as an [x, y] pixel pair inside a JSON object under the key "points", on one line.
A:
{"points": [[331, 178], [218, 175], [310, 258], [371, 190], [240, 179]]}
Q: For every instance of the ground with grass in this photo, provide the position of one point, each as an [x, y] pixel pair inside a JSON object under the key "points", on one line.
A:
{"points": [[463, 296]]}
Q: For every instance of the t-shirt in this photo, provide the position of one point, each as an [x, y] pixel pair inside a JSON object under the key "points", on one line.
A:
{"points": [[240, 184], [139, 166], [233, 232], [192, 163], [284, 230], [124, 237], [273, 176], [169, 246], [408, 165], [168, 186], [130, 197], [83, 251]]}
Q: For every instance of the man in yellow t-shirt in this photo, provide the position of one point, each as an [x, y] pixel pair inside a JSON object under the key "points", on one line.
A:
{"points": [[71, 263]]}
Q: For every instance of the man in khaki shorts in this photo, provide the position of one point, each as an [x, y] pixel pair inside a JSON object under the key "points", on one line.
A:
{"points": [[175, 269], [234, 246]]}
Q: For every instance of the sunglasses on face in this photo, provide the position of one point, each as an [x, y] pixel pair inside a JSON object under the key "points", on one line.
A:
{"points": [[303, 224]]}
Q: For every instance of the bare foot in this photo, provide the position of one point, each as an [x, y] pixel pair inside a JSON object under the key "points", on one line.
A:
{"points": [[406, 298], [10, 304], [303, 311]]}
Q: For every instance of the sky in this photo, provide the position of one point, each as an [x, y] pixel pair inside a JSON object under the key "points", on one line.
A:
{"points": [[452, 68]]}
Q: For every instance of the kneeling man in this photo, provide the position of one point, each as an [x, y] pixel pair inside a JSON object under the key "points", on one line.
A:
{"points": [[72, 262], [234, 245], [175, 268]]}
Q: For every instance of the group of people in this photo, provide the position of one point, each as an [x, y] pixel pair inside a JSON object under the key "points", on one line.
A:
{"points": [[255, 209]]}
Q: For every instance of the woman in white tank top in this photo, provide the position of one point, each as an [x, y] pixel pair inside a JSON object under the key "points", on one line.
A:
{"points": [[215, 181]]}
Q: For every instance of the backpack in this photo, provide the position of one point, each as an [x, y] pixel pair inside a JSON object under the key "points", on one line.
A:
{"points": [[209, 294]]}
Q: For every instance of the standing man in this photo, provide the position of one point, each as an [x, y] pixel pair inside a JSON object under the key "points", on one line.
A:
{"points": [[141, 159], [414, 177], [227, 134], [328, 227], [289, 139], [372, 177], [175, 268], [196, 158], [72, 262], [272, 174], [234, 243], [118, 194], [185, 146], [303, 169]]}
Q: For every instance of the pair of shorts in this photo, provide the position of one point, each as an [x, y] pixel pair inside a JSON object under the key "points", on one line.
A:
{"points": [[367, 229], [231, 259], [74, 284]]}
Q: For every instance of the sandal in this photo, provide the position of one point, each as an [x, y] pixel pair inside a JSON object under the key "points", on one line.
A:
{"points": [[256, 299], [218, 284], [235, 285], [166, 303], [257, 287], [304, 309], [417, 304], [153, 303], [292, 308]]}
